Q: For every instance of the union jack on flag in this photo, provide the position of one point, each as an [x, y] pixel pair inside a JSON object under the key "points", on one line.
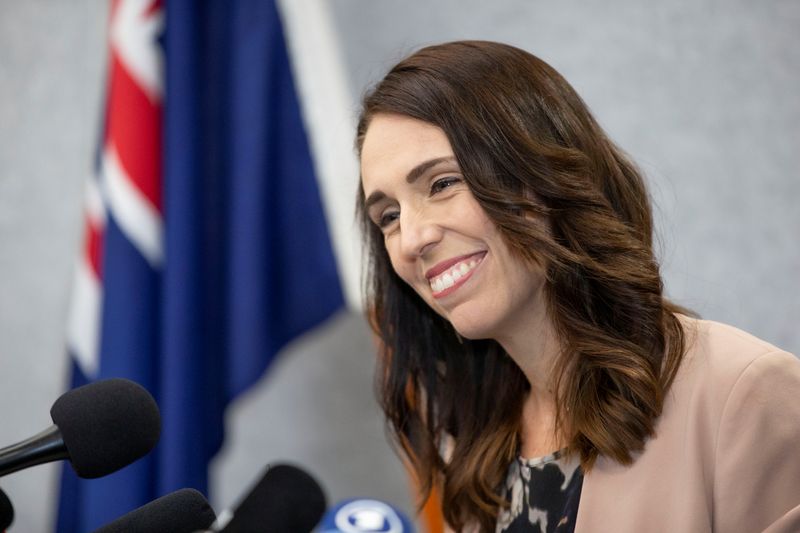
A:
{"points": [[127, 185]]}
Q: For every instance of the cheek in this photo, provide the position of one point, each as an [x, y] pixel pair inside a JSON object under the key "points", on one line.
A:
{"points": [[400, 268], [408, 277], [392, 255], [407, 273]]}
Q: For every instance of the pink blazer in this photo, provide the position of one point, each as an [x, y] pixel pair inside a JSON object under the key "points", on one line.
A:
{"points": [[726, 455]]}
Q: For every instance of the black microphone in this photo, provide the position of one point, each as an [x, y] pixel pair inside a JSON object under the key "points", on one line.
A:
{"points": [[182, 511], [6, 511], [285, 500], [99, 427]]}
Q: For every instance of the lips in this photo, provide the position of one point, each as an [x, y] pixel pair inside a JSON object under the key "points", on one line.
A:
{"points": [[446, 264], [448, 275]]}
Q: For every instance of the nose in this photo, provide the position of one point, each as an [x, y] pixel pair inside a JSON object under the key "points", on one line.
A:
{"points": [[419, 233]]}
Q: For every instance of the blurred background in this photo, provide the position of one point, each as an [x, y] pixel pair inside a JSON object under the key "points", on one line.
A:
{"points": [[701, 93]]}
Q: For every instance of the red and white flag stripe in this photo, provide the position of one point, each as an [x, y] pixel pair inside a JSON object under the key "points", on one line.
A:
{"points": [[128, 187]]}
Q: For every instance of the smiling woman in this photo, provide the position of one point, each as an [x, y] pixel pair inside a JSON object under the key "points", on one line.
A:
{"points": [[532, 368]]}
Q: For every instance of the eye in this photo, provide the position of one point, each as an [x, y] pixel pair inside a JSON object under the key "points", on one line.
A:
{"points": [[386, 218], [443, 183]]}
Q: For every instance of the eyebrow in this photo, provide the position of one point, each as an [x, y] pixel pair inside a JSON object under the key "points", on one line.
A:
{"points": [[412, 176]]}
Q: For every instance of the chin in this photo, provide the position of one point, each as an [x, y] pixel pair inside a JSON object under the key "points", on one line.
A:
{"points": [[472, 329]]}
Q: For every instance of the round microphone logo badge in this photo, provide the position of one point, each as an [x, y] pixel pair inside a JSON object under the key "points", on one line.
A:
{"points": [[360, 516]]}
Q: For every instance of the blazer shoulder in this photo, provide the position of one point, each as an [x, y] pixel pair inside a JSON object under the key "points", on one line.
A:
{"points": [[756, 462], [720, 353]]}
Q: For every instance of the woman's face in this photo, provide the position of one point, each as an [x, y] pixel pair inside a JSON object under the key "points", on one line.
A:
{"points": [[438, 237]]}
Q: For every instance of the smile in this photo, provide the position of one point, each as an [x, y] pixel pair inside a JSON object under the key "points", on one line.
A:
{"points": [[448, 280]]}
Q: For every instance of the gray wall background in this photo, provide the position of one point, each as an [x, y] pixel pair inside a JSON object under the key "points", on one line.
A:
{"points": [[703, 95]]}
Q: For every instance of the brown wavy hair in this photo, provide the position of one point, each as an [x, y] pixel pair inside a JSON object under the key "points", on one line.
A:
{"points": [[529, 149]]}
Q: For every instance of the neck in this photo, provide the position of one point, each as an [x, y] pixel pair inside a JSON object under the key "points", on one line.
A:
{"points": [[535, 347]]}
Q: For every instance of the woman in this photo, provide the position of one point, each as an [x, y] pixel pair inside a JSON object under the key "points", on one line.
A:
{"points": [[533, 370]]}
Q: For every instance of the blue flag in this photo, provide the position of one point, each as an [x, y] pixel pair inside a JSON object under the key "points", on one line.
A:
{"points": [[204, 276]]}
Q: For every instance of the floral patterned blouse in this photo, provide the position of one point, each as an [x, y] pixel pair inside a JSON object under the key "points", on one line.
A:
{"points": [[543, 494]]}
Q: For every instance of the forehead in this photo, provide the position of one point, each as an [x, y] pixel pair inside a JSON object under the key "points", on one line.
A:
{"points": [[395, 144]]}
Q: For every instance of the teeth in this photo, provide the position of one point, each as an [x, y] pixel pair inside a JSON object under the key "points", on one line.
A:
{"points": [[447, 279]]}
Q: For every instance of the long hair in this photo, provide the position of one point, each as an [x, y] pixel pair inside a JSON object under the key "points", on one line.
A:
{"points": [[529, 150]]}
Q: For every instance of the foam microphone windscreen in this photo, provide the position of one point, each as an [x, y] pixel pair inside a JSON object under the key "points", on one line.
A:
{"points": [[286, 500], [182, 511], [6, 511], [106, 425]]}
